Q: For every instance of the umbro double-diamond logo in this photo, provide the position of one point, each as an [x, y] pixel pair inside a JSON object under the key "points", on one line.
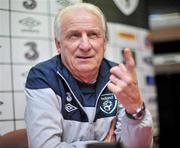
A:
{"points": [[69, 107]]}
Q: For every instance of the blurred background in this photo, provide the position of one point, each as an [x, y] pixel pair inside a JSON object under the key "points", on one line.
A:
{"points": [[164, 21], [150, 28]]}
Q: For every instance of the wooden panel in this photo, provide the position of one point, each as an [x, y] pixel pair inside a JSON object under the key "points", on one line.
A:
{"points": [[165, 34]]}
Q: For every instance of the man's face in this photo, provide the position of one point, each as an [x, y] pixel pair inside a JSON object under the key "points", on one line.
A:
{"points": [[82, 42]]}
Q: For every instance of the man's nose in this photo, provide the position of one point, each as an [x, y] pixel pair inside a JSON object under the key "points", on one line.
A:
{"points": [[84, 42]]}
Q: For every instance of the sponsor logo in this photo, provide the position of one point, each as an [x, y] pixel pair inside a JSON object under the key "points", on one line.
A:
{"points": [[29, 4], [127, 35], [127, 7], [69, 107], [32, 53], [30, 23], [63, 3], [108, 103]]}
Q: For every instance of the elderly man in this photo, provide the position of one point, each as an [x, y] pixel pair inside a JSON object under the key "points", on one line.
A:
{"points": [[79, 97]]}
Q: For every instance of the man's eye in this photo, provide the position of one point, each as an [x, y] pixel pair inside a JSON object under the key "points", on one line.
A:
{"points": [[92, 35], [74, 36]]}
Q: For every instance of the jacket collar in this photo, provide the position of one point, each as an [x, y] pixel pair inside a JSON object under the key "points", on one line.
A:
{"points": [[103, 78]]}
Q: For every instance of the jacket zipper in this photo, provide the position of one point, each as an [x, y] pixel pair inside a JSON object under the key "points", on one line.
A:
{"points": [[98, 99], [71, 91], [78, 100]]}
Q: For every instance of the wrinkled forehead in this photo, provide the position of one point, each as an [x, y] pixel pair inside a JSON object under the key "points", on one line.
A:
{"points": [[79, 12], [81, 18]]}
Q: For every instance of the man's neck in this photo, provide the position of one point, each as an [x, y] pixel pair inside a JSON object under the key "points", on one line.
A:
{"points": [[86, 78]]}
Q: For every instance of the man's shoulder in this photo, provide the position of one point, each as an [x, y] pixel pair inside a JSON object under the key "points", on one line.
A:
{"points": [[42, 74], [45, 68], [52, 62]]}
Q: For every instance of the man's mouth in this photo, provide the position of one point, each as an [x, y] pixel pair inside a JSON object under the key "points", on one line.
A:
{"points": [[84, 57]]}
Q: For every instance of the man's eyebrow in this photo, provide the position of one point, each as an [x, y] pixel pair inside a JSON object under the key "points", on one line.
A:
{"points": [[89, 29], [72, 31]]}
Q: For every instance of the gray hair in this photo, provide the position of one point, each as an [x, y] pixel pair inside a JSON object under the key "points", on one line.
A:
{"points": [[90, 7]]}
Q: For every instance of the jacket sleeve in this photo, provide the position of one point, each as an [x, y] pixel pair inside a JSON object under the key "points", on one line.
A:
{"points": [[134, 133], [44, 119]]}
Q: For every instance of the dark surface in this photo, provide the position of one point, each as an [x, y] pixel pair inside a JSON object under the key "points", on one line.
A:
{"points": [[163, 6], [104, 145], [166, 47], [138, 18], [168, 89]]}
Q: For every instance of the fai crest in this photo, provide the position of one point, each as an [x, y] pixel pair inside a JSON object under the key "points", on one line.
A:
{"points": [[108, 103], [127, 7]]}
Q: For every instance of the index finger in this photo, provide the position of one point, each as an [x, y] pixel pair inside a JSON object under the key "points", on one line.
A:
{"points": [[128, 58]]}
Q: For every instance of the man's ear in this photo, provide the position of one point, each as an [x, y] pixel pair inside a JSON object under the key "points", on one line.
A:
{"points": [[58, 47], [105, 43]]}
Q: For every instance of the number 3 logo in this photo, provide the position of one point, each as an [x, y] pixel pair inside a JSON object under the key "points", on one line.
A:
{"points": [[30, 4], [32, 53]]}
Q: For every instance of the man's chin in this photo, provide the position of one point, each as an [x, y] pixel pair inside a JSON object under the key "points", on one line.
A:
{"points": [[86, 69]]}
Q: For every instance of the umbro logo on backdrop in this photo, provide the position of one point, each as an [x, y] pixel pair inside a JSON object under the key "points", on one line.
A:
{"points": [[29, 22]]}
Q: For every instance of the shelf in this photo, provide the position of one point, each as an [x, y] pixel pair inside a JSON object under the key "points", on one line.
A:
{"points": [[168, 63]]}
